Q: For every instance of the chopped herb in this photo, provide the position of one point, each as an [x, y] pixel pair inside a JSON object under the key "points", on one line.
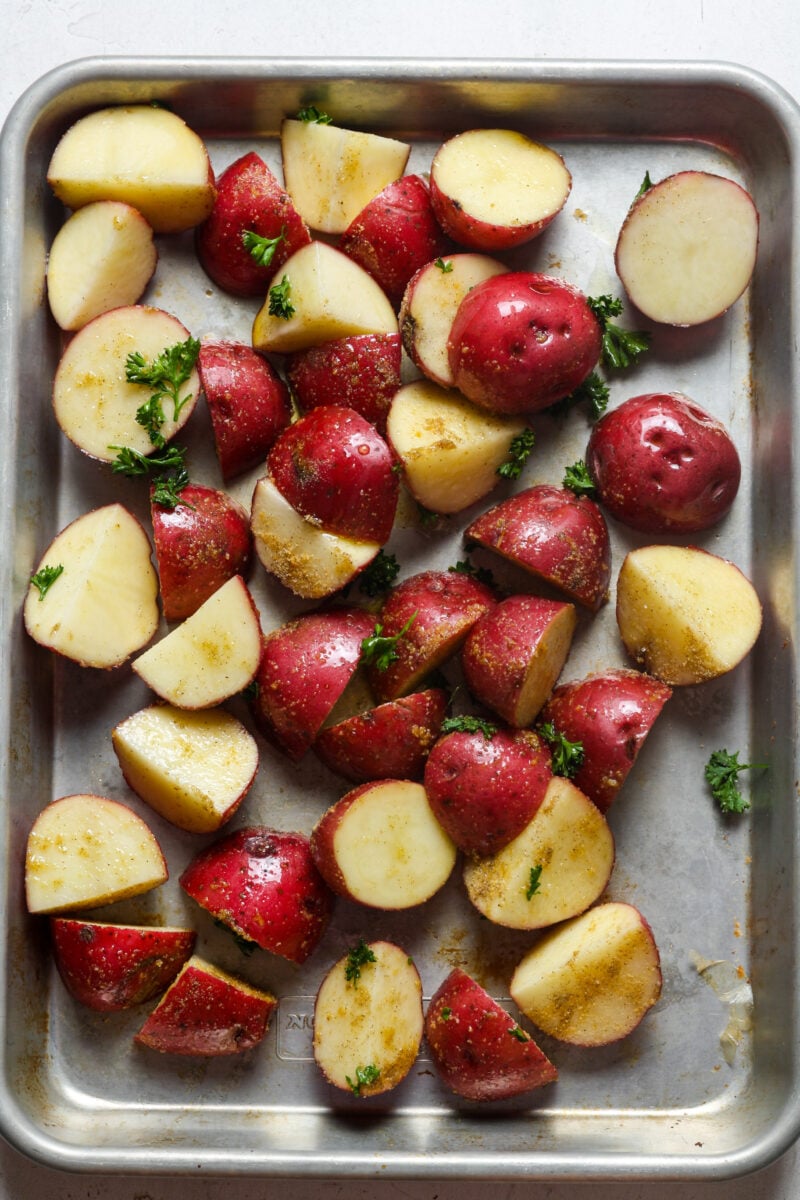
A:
{"points": [[357, 958], [380, 650], [364, 1077], [533, 882], [131, 462], [519, 1034], [621, 347], [469, 724], [45, 577], [279, 303], [427, 516], [167, 488], [262, 249], [246, 945], [313, 115], [446, 1014], [567, 756], [151, 417], [518, 454], [379, 576], [722, 771], [593, 392], [646, 184], [165, 375], [444, 267], [482, 574], [578, 479]]}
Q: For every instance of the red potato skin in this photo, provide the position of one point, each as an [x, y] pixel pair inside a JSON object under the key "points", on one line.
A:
{"points": [[557, 536], [109, 968], [391, 741], [396, 234], [611, 714], [361, 372], [206, 1016], [334, 467], [522, 341], [200, 544], [247, 400], [478, 1049], [263, 885], [662, 464], [485, 790], [248, 197], [305, 666], [444, 606]]}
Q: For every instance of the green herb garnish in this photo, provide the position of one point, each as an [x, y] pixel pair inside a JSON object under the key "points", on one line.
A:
{"points": [[468, 724], [261, 249], [578, 479], [445, 1014], [645, 186], [165, 375], [45, 577], [364, 1077], [533, 882], [131, 462], [313, 115], [444, 267], [518, 454], [279, 303], [722, 772], [593, 392], [379, 650], [519, 1034], [620, 347], [378, 577], [357, 958], [481, 574], [567, 756]]}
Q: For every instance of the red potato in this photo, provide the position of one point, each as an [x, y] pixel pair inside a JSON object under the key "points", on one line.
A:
{"points": [[306, 664], [493, 189], [208, 1013], [249, 199], [263, 885], [557, 536], [687, 248], [200, 544], [382, 846], [439, 608], [109, 968], [610, 714], [484, 789], [478, 1049], [360, 372], [248, 403], [396, 234], [662, 464], [521, 341], [514, 654], [390, 741], [336, 470]]}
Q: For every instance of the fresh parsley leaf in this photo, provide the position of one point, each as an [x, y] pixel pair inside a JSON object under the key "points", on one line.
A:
{"points": [[593, 392], [567, 756], [45, 577], [378, 577], [166, 373], [427, 517], [131, 462], [262, 249], [279, 303], [364, 1077], [518, 454], [519, 1034], [578, 479], [167, 488], [311, 114], [379, 650], [357, 958], [151, 417], [445, 1013], [620, 347], [444, 267], [533, 882], [645, 185], [482, 574], [468, 724], [722, 773]]}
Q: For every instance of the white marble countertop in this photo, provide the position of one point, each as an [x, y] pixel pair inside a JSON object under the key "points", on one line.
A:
{"points": [[40, 34]]}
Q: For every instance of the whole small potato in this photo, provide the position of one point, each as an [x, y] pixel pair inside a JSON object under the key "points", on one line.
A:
{"points": [[662, 464]]}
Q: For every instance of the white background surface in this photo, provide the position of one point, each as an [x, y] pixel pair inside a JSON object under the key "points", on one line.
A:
{"points": [[36, 35]]}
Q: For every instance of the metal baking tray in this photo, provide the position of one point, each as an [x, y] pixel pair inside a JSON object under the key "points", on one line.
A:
{"points": [[699, 1090]]}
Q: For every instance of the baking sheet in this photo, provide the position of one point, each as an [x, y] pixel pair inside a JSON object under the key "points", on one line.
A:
{"points": [[672, 1100]]}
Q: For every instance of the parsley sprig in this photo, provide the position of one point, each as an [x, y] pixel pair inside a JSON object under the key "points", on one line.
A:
{"points": [[469, 724], [578, 479], [45, 577], [620, 347], [379, 576], [261, 249], [533, 881], [364, 1077], [594, 392], [567, 756], [357, 957], [280, 305], [168, 468], [480, 574], [722, 775], [313, 115], [379, 650], [518, 454], [165, 375]]}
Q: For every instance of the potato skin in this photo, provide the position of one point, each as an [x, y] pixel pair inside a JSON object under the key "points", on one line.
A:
{"points": [[662, 464], [360, 372], [391, 740]]}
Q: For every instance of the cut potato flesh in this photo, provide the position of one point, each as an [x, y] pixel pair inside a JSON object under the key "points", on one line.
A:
{"points": [[93, 401], [450, 450], [368, 1029], [102, 606], [86, 850], [567, 845], [684, 614]]}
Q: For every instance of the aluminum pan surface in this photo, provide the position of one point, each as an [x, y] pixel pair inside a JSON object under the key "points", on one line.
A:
{"points": [[664, 1103]]}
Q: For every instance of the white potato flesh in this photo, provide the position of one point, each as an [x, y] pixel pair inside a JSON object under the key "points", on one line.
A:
{"points": [[688, 247], [193, 768], [544, 667], [501, 177], [93, 402], [86, 850], [430, 305], [102, 607], [570, 841], [590, 981], [141, 154], [332, 297], [389, 847], [332, 173], [101, 258], [684, 614], [209, 657], [373, 1021], [310, 562], [450, 450]]}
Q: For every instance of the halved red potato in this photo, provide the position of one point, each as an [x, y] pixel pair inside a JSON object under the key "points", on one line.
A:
{"points": [[557, 536], [555, 867], [591, 980], [478, 1049], [485, 787], [684, 614], [103, 257], [389, 741], [361, 372], [381, 845], [368, 1019], [263, 885], [492, 189], [514, 654], [207, 1012], [112, 967], [687, 248], [142, 154], [610, 713]]}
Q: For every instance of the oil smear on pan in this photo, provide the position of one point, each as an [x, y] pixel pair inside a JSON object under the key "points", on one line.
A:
{"points": [[732, 987]]}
